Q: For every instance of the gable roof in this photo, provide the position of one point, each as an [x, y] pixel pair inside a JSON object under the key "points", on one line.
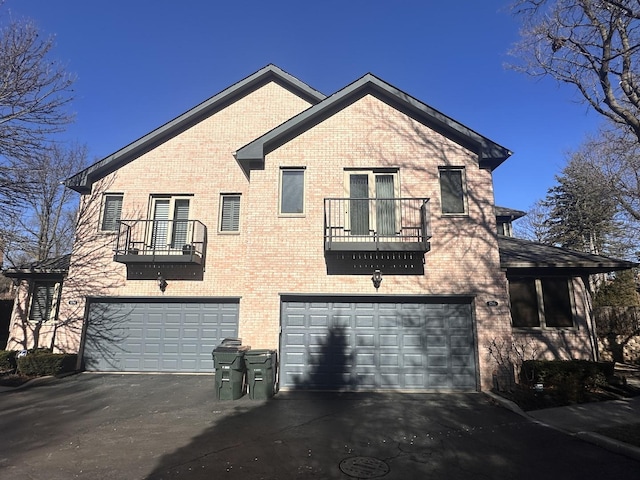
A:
{"points": [[82, 181], [518, 254], [51, 266], [491, 155]]}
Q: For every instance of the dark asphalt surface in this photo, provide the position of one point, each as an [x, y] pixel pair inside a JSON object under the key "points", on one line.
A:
{"points": [[153, 427]]}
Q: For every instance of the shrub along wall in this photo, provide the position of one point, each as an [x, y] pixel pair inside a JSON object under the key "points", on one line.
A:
{"points": [[570, 380], [38, 364]]}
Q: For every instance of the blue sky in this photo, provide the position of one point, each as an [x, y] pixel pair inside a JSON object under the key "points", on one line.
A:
{"points": [[140, 63]]}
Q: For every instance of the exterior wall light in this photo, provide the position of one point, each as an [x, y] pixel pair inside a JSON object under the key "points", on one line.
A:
{"points": [[162, 283], [376, 279]]}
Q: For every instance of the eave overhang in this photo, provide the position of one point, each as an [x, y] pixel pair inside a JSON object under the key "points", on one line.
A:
{"points": [[82, 181], [490, 154], [522, 256], [51, 268]]}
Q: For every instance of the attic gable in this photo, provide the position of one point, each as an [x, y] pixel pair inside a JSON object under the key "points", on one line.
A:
{"points": [[82, 181], [490, 154]]}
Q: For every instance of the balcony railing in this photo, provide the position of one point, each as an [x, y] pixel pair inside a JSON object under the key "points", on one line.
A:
{"points": [[161, 241], [376, 224]]}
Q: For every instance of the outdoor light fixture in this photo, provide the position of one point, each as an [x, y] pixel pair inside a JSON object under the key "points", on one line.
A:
{"points": [[376, 279], [162, 283]]}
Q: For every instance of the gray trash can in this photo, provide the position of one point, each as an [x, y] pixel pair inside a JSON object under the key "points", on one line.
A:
{"points": [[230, 371], [261, 373]]}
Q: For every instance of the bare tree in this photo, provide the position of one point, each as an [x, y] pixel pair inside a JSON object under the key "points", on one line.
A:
{"points": [[34, 90], [592, 45], [43, 226], [533, 225]]}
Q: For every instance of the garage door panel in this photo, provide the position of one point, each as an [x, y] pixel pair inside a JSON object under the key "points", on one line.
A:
{"points": [[156, 337], [319, 320], [384, 345]]}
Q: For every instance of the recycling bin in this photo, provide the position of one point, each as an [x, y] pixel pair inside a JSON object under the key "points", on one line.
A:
{"points": [[261, 373], [230, 372]]}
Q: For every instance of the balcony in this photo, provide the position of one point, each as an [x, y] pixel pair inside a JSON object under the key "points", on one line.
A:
{"points": [[376, 224], [161, 241]]}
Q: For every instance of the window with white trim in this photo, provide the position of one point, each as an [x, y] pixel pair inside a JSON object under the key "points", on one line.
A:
{"points": [[545, 302], [292, 191], [44, 301], [230, 212], [372, 207], [171, 229], [453, 197], [111, 211]]}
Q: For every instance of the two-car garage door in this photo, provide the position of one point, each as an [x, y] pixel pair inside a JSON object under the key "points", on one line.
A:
{"points": [[364, 345], [125, 335]]}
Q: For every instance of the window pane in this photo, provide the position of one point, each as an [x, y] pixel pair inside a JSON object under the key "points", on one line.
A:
{"points": [[359, 209], [42, 301], [230, 221], [452, 191], [292, 191], [524, 302], [112, 212], [557, 303], [385, 209], [180, 225]]}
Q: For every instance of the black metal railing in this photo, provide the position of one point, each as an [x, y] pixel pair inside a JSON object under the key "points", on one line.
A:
{"points": [[372, 224], [171, 241]]}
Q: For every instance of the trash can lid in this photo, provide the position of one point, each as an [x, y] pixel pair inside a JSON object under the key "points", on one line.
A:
{"points": [[240, 348], [260, 352]]}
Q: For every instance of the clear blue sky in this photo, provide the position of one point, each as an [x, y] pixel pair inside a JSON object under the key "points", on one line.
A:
{"points": [[140, 63]]}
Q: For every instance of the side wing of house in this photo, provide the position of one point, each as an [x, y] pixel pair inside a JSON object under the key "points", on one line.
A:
{"points": [[550, 298], [37, 301]]}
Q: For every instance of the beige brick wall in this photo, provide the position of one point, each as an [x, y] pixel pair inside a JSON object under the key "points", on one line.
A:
{"points": [[272, 254]]}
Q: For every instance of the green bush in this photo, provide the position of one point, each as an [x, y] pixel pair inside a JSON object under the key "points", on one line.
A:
{"points": [[42, 363], [7, 360], [569, 379]]}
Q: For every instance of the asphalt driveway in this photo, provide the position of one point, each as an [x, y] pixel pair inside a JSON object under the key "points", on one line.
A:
{"points": [[92, 426]]}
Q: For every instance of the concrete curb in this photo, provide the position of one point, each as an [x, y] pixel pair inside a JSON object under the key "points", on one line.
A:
{"points": [[610, 444]]}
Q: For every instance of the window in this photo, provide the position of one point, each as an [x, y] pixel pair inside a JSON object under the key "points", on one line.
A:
{"points": [[541, 302], [230, 213], [44, 301], [372, 206], [452, 190], [171, 229], [112, 209], [292, 191]]}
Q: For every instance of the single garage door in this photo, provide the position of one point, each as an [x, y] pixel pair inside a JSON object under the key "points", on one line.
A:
{"points": [[148, 336], [359, 345]]}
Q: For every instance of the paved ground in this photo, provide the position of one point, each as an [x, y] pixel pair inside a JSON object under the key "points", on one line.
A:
{"points": [[155, 427]]}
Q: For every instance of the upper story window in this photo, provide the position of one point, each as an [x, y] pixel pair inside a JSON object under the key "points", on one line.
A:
{"points": [[230, 212], [292, 191], [111, 211], [504, 228], [371, 206], [541, 302], [453, 191], [44, 301], [170, 227]]}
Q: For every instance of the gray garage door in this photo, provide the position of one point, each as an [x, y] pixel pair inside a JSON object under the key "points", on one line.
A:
{"points": [[146, 336], [372, 345]]}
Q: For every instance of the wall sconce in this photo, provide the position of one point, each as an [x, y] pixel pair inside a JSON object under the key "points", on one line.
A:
{"points": [[376, 279], [162, 283]]}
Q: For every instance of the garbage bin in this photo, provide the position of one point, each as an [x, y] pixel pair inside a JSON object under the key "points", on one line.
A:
{"points": [[228, 362], [261, 373]]}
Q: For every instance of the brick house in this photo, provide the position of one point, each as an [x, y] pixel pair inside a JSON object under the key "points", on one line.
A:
{"points": [[356, 234]]}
